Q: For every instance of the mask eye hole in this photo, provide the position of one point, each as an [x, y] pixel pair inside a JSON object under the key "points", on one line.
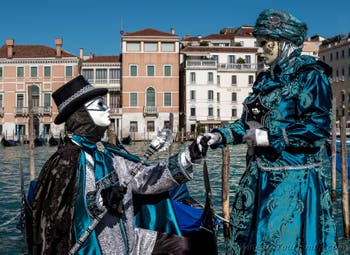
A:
{"points": [[262, 43]]}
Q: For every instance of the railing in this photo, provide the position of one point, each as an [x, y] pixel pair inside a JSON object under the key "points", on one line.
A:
{"points": [[116, 110], [37, 110], [150, 110], [214, 64]]}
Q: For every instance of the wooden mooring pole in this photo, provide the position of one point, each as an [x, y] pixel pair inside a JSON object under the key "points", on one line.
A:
{"points": [[344, 175], [31, 134], [225, 180], [334, 152]]}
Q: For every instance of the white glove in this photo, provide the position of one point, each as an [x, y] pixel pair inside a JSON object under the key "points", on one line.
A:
{"points": [[257, 137], [213, 138]]}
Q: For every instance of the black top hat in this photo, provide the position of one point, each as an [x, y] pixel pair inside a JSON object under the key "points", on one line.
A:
{"points": [[73, 95]]}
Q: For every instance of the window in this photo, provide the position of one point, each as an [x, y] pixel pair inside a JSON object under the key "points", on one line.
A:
{"points": [[133, 126], [20, 71], [218, 112], [33, 71], [114, 99], [133, 46], [35, 96], [250, 79], [193, 112], [167, 99], [47, 100], [210, 77], [331, 57], [218, 96], [218, 79], [337, 55], [210, 95], [193, 95], [114, 75], [167, 70], [168, 47], [247, 59], [1, 72], [150, 70], [150, 47], [88, 74], [47, 71], [342, 54], [193, 77], [210, 111], [151, 97], [323, 58], [150, 126], [233, 112], [1, 102], [101, 75], [69, 71], [234, 80], [133, 99], [20, 100], [167, 124], [133, 70], [231, 59], [234, 97]]}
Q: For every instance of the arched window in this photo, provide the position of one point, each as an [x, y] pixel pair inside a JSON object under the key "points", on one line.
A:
{"points": [[150, 97], [35, 95]]}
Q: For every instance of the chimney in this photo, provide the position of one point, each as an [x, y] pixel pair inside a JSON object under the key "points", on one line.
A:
{"points": [[172, 30], [10, 44], [58, 42], [81, 53]]}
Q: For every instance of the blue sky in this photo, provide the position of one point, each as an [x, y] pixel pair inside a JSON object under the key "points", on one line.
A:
{"points": [[95, 25]]}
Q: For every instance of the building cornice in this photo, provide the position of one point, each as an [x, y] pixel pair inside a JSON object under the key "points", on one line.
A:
{"points": [[39, 61]]}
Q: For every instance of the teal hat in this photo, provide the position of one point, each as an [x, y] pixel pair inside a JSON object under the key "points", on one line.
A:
{"points": [[280, 25]]}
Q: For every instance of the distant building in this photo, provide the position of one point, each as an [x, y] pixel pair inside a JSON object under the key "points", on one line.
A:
{"points": [[150, 82], [335, 52], [216, 76], [40, 69], [311, 46], [105, 72]]}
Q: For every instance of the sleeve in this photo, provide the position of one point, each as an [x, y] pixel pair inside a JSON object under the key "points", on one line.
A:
{"points": [[313, 121], [53, 206], [163, 176]]}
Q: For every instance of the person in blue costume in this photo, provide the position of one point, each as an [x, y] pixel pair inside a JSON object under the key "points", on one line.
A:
{"points": [[282, 204], [86, 174]]}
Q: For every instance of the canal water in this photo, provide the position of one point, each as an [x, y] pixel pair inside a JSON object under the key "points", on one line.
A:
{"points": [[11, 240]]}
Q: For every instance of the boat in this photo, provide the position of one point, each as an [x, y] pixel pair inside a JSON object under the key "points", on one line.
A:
{"points": [[8, 143], [126, 140]]}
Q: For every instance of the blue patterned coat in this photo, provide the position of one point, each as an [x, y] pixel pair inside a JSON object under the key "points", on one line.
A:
{"points": [[282, 205]]}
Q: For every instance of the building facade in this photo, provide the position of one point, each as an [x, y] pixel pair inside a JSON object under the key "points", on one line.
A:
{"points": [[336, 53], [105, 72], [217, 76], [34, 70], [150, 82]]}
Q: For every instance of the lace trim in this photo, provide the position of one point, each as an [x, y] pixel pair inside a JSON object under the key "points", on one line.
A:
{"points": [[286, 168], [77, 94]]}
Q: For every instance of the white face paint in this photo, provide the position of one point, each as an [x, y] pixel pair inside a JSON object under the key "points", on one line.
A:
{"points": [[268, 49], [99, 112]]}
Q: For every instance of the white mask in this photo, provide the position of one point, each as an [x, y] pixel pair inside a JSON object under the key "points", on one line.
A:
{"points": [[98, 111], [268, 49]]}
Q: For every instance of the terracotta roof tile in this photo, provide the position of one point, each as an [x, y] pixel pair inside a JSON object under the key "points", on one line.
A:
{"points": [[218, 49], [149, 32], [103, 59], [32, 51], [219, 37]]}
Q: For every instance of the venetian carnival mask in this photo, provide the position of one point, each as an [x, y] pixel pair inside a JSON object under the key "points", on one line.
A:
{"points": [[268, 49], [98, 111]]}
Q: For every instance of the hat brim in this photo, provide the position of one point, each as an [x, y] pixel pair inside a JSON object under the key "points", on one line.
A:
{"points": [[70, 108]]}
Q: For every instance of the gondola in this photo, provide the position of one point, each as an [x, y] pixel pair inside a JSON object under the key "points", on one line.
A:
{"points": [[8, 143]]}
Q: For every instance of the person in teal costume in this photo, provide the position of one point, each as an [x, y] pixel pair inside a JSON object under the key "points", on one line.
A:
{"points": [[282, 204]]}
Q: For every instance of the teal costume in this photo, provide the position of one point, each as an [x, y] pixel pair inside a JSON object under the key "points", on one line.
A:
{"points": [[282, 205]]}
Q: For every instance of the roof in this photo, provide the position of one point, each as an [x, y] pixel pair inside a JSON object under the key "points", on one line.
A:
{"points": [[149, 32], [32, 51], [219, 37], [218, 49], [103, 59]]}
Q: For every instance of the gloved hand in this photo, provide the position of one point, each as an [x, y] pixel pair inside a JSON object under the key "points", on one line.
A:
{"points": [[112, 199], [256, 137], [198, 148], [213, 138]]}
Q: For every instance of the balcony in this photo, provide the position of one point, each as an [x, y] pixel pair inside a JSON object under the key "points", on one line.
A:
{"points": [[201, 64], [150, 111], [237, 67], [116, 111], [37, 110], [213, 64]]}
